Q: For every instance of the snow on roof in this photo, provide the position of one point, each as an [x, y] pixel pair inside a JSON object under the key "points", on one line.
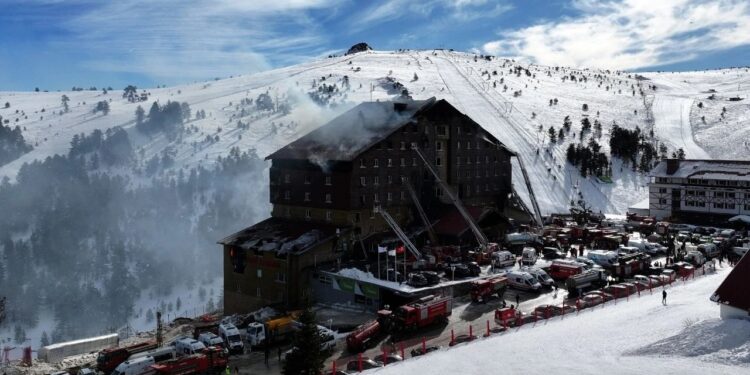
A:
{"points": [[344, 137], [281, 236], [733, 170], [734, 290], [743, 218]]}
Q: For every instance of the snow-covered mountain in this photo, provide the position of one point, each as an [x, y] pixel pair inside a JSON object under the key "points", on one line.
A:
{"points": [[512, 100]]}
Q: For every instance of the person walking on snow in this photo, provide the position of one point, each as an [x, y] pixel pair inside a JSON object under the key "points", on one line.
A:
{"points": [[664, 297], [518, 300]]}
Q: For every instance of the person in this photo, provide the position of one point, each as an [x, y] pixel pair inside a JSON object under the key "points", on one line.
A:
{"points": [[664, 297], [236, 370], [518, 300], [228, 371], [279, 353], [554, 287]]}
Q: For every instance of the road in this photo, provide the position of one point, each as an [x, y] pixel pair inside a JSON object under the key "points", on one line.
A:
{"points": [[672, 124]]}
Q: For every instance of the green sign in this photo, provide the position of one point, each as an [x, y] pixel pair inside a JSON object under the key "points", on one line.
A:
{"points": [[347, 285], [369, 290]]}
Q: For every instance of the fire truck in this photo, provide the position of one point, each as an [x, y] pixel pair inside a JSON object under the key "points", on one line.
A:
{"points": [[483, 289], [211, 360], [423, 312], [363, 337], [108, 359], [631, 264]]}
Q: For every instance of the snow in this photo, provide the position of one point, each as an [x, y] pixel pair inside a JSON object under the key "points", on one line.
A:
{"points": [[672, 124], [686, 336]]}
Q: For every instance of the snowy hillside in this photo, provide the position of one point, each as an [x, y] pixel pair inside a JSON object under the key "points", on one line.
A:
{"points": [[686, 336], [512, 101]]}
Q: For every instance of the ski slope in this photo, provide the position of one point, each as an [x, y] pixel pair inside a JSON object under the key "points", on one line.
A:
{"points": [[515, 107], [672, 124], [639, 336]]}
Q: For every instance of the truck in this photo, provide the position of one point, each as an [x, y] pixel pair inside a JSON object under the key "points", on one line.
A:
{"points": [[364, 336], [232, 338], [584, 280], [423, 312], [108, 359], [274, 330], [483, 289], [563, 269], [630, 265], [212, 360]]}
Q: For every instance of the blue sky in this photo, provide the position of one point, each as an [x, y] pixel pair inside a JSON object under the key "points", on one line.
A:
{"points": [[57, 44]]}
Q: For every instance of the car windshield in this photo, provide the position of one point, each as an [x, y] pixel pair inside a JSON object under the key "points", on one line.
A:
{"points": [[234, 338]]}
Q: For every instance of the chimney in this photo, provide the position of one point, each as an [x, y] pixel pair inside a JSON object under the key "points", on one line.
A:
{"points": [[673, 165], [399, 106]]}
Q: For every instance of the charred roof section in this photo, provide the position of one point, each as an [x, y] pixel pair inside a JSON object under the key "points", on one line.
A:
{"points": [[353, 132], [281, 236]]}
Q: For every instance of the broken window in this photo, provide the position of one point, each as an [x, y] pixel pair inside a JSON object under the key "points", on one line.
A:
{"points": [[329, 215], [328, 180], [307, 196], [328, 197]]}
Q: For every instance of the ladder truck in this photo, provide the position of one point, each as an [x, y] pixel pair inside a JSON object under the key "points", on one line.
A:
{"points": [[532, 197], [485, 247], [402, 236]]}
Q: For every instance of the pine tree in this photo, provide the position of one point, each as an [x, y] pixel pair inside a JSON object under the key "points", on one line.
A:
{"points": [[552, 134], [65, 101], [308, 356], [561, 135]]}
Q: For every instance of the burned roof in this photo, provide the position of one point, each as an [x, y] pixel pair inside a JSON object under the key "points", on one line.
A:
{"points": [[282, 236], [731, 170], [733, 291], [354, 131]]}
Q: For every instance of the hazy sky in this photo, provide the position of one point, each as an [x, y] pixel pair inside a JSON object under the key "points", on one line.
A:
{"points": [[57, 44]]}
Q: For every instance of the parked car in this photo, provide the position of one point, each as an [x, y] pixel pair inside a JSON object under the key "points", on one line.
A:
{"points": [[432, 277], [367, 364], [418, 351], [591, 300], [389, 359], [417, 280], [541, 276], [605, 296]]}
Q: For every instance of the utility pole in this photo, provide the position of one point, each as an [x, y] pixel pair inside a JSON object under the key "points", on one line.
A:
{"points": [[159, 338]]}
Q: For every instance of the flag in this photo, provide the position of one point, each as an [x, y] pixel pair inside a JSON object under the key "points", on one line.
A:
{"points": [[400, 249], [382, 249]]}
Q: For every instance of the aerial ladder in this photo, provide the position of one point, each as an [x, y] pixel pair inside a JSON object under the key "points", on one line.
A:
{"points": [[400, 233], [532, 197], [420, 210], [481, 238]]}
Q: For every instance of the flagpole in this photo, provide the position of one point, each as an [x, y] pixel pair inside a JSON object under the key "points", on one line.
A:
{"points": [[379, 262]]}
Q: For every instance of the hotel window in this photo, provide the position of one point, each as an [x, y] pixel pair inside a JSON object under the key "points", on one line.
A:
{"points": [[328, 180], [280, 277], [439, 146], [287, 195], [288, 212], [747, 207], [403, 145], [257, 292], [308, 215], [362, 200], [390, 163], [328, 197], [478, 160], [468, 145], [259, 272], [329, 215], [413, 162], [487, 159], [458, 160], [438, 162], [307, 196], [403, 162], [458, 145], [403, 197], [356, 217], [442, 130], [664, 190], [286, 178], [307, 180], [390, 179], [376, 180], [390, 197], [363, 181], [375, 198], [376, 162], [362, 163]]}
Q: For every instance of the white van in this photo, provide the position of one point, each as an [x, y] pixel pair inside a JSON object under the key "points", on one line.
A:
{"points": [[502, 259], [542, 277], [529, 256], [709, 250], [603, 258], [138, 366], [211, 339], [231, 336], [646, 247], [523, 280], [695, 258], [188, 346], [627, 249]]}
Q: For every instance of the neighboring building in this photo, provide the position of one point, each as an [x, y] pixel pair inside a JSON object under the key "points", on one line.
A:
{"points": [[328, 182], [733, 292], [700, 191]]}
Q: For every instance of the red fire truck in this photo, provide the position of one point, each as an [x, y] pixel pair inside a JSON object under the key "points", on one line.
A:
{"points": [[363, 336], [563, 269], [423, 312], [483, 289], [211, 360], [108, 359]]}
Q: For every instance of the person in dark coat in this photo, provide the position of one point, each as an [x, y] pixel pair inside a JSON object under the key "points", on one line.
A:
{"points": [[518, 300], [279, 353], [664, 297]]}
